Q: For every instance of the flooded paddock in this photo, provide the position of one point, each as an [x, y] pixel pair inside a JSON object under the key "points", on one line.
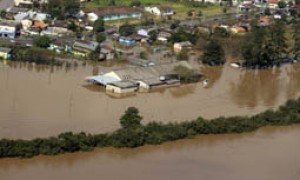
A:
{"points": [[38, 101]]}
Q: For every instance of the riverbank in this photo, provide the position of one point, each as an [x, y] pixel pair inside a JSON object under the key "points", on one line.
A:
{"points": [[133, 134]]}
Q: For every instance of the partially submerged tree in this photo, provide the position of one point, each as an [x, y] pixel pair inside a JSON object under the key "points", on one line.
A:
{"points": [[101, 38], [98, 26], [213, 54], [42, 41], [186, 74], [131, 119]]}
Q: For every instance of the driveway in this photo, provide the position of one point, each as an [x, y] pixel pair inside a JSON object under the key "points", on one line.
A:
{"points": [[4, 4]]}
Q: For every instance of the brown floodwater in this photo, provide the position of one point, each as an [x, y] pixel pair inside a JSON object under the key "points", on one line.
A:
{"points": [[38, 101], [267, 154]]}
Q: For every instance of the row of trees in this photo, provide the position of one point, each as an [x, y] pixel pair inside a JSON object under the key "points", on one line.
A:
{"points": [[35, 55], [265, 46], [133, 134]]}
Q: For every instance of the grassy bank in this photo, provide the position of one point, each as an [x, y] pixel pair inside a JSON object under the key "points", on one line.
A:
{"points": [[134, 134]]}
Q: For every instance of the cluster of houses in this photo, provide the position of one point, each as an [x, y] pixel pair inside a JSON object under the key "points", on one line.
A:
{"points": [[21, 23]]}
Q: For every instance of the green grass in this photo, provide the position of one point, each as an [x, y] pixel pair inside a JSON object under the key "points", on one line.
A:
{"points": [[180, 8]]}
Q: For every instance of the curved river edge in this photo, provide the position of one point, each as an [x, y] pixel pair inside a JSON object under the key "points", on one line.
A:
{"points": [[151, 133]]}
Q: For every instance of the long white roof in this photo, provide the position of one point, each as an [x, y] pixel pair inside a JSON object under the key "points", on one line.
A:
{"points": [[101, 79]]}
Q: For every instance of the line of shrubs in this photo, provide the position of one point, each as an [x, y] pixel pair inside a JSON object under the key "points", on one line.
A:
{"points": [[133, 134], [36, 55]]}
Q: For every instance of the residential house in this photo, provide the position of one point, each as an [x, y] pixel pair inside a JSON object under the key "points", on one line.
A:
{"points": [[9, 28], [17, 13], [237, 30], [62, 44], [5, 53], [160, 10], [56, 31], [126, 41], [185, 45], [106, 53], [21, 2], [163, 36], [145, 31], [112, 12], [37, 16], [83, 47]]}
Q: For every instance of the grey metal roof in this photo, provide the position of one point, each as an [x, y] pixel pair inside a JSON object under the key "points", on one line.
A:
{"points": [[144, 73], [5, 50], [124, 84]]}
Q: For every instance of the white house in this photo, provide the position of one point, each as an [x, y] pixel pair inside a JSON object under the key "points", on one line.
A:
{"points": [[160, 10], [9, 28], [186, 45]]}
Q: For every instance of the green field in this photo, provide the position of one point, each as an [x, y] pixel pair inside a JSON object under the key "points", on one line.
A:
{"points": [[179, 7]]}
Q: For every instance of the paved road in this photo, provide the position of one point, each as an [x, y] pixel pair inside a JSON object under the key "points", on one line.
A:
{"points": [[4, 4]]}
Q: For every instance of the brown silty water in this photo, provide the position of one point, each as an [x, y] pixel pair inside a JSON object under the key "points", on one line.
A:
{"points": [[267, 154], [38, 101]]}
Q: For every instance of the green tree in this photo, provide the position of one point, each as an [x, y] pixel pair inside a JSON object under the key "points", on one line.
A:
{"points": [[62, 9], [282, 4], [3, 14], [181, 35], [112, 3], [152, 36], [135, 3], [98, 26], [277, 41], [131, 119], [213, 54], [255, 49], [143, 55], [268, 12], [126, 29], [189, 13], [186, 74], [199, 14], [42, 41], [221, 32], [101, 37], [296, 38]]}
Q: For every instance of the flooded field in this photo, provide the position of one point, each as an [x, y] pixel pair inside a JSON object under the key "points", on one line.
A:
{"points": [[267, 154], [39, 101]]}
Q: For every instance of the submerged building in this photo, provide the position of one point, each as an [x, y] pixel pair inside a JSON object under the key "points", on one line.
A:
{"points": [[141, 79]]}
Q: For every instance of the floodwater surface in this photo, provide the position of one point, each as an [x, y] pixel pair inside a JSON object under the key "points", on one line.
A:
{"points": [[37, 101], [270, 153]]}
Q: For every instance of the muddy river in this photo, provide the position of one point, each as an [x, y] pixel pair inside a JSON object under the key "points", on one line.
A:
{"points": [[39, 101], [267, 154]]}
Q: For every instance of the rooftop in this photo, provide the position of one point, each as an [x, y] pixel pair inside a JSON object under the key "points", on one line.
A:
{"points": [[124, 84], [5, 50]]}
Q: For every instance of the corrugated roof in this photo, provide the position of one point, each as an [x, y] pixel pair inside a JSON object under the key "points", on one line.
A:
{"points": [[144, 73], [5, 50]]}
